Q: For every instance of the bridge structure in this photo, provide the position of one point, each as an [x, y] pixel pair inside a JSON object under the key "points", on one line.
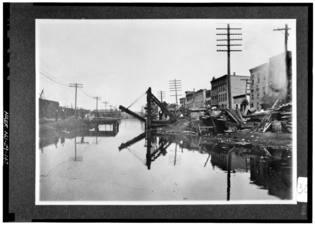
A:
{"points": [[149, 119]]}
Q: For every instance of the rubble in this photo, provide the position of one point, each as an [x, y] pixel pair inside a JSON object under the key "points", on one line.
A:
{"points": [[274, 129]]}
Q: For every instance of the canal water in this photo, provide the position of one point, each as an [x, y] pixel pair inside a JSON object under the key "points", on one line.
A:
{"points": [[125, 164]]}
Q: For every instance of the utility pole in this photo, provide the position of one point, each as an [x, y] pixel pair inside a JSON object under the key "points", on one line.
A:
{"points": [[76, 85], [175, 85], [286, 35], [105, 105], [229, 50], [161, 94], [97, 98]]}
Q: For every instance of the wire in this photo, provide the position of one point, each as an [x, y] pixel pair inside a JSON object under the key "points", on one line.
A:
{"points": [[86, 93], [137, 99], [53, 80], [54, 77]]}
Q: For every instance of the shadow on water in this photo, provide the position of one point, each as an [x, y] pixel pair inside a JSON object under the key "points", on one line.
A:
{"points": [[270, 169]]}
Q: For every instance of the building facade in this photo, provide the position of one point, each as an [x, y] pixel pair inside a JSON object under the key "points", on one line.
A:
{"points": [[271, 79], [258, 84], [200, 98], [219, 87], [189, 103], [47, 108], [208, 98], [195, 99], [182, 102]]}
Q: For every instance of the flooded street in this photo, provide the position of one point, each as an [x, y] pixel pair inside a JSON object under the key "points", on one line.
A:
{"points": [[124, 164]]}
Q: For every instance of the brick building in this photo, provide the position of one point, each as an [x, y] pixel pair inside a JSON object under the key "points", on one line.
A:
{"points": [[195, 99], [200, 98], [219, 86], [182, 102], [258, 84], [208, 98], [189, 100]]}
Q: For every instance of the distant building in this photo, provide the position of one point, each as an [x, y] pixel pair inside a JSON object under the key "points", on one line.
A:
{"points": [[259, 84], [200, 98], [47, 108], [107, 113], [195, 99], [182, 102], [208, 98], [189, 99], [219, 86]]}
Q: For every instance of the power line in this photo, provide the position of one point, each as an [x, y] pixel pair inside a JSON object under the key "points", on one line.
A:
{"points": [[54, 77], [161, 95], [97, 98], [229, 50], [175, 85], [86, 93], [53, 80], [76, 85]]}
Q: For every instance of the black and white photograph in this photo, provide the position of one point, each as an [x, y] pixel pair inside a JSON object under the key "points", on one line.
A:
{"points": [[165, 111]]}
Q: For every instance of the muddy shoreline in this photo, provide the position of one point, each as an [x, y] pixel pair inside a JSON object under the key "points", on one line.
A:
{"points": [[241, 137]]}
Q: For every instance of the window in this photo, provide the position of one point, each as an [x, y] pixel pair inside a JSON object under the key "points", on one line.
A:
{"points": [[264, 91]]}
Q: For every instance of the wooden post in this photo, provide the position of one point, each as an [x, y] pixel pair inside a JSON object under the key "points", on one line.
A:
{"points": [[149, 116]]}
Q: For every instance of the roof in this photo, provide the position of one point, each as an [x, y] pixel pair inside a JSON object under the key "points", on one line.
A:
{"points": [[224, 76], [259, 67], [48, 100], [240, 96]]}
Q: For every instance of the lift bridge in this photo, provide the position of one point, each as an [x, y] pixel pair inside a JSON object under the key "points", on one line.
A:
{"points": [[150, 122]]}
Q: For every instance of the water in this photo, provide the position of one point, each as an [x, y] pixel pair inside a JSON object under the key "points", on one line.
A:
{"points": [[97, 166]]}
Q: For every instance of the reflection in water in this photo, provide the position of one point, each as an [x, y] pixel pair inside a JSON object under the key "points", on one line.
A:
{"points": [[269, 169], [155, 148], [62, 141], [139, 171]]}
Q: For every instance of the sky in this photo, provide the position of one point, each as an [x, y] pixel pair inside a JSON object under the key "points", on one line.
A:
{"points": [[118, 60]]}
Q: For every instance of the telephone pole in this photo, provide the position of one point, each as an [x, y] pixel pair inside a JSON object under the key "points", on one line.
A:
{"points": [[286, 35], [229, 50], [97, 98], [175, 85], [161, 94], [105, 105], [76, 85]]}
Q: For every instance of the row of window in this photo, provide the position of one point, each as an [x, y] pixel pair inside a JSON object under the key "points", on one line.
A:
{"points": [[257, 91], [257, 105], [258, 79], [223, 97]]}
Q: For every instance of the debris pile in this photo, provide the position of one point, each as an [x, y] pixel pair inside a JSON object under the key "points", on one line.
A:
{"points": [[277, 120]]}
